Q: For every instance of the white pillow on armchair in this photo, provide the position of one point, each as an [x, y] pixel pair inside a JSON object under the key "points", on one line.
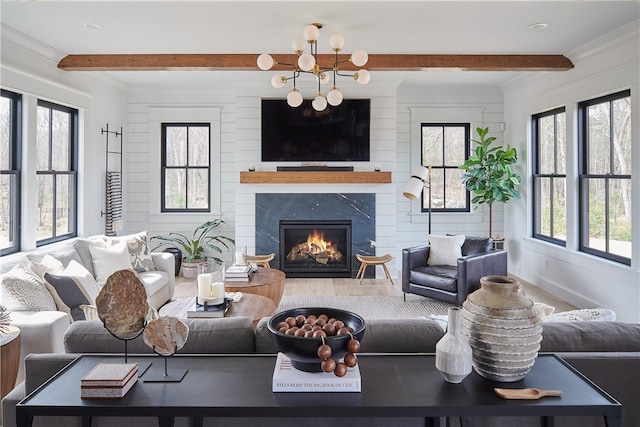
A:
{"points": [[445, 250]]}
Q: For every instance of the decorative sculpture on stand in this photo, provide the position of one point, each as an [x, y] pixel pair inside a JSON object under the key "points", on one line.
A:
{"points": [[166, 336], [122, 307]]}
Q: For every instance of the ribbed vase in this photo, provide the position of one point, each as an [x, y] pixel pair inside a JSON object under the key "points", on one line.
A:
{"points": [[453, 353], [503, 329]]}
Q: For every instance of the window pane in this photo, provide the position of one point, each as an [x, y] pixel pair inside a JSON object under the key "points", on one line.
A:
{"points": [[598, 136], [622, 136], [559, 208], [44, 185], [175, 189], [546, 144], [561, 143], [64, 204], [42, 139], [456, 197], [620, 217], [176, 146], [198, 197], [432, 145], [198, 146], [596, 214], [5, 133], [454, 145], [437, 190], [60, 141], [8, 189], [544, 206]]}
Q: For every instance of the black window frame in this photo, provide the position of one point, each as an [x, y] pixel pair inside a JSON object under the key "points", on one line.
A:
{"points": [[15, 170], [72, 172], [584, 176], [164, 167], [444, 167], [536, 175]]}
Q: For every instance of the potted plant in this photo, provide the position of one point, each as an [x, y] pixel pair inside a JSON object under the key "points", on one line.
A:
{"points": [[488, 175], [194, 247]]}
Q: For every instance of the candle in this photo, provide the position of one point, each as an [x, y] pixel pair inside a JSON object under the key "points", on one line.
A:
{"points": [[217, 290], [204, 287], [239, 258]]}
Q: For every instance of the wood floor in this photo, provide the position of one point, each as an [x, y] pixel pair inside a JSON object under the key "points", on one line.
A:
{"points": [[344, 287]]}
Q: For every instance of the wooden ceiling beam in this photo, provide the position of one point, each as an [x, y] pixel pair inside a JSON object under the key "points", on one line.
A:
{"points": [[377, 62]]}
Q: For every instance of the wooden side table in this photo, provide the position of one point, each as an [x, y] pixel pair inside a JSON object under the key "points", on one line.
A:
{"points": [[267, 282], [9, 359]]}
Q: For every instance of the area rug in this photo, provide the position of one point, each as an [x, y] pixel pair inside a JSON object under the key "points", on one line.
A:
{"points": [[371, 306]]}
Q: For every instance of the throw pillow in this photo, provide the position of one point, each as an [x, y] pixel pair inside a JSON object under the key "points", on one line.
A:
{"points": [[68, 293], [445, 250], [47, 264], [107, 261], [84, 277], [139, 252], [83, 247], [22, 290]]}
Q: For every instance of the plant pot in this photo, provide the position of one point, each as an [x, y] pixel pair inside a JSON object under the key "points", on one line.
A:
{"points": [[177, 254], [190, 269]]}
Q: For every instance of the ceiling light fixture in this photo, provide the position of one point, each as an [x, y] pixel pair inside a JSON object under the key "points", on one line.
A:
{"points": [[92, 25], [538, 26], [308, 63]]}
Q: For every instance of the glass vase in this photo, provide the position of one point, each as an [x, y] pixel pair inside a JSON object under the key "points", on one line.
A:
{"points": [[453, 353]]}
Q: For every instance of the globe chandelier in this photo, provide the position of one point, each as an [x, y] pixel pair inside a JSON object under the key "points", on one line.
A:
{"points": [[308, 63]]}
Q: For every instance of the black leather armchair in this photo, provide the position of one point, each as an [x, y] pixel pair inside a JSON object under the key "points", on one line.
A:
{"points": [[451, 283]]}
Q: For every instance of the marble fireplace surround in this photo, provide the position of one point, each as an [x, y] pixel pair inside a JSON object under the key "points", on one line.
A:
{"points": [[360, 208]]}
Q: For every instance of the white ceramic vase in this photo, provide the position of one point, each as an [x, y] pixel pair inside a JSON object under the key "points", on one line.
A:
{"points": [[453, 353], [503, 328]]}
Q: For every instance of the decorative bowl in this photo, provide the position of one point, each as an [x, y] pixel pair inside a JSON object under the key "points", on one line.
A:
{"points": [[303, 351]]}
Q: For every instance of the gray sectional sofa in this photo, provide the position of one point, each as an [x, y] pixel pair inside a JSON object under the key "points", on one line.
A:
{"points": [[606, 352]]}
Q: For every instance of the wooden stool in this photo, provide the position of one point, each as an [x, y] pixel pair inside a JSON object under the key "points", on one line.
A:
{"points": [[261, 260], [373, 260]]}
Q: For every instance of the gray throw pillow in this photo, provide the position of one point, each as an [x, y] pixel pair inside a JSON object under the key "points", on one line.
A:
{"points": [[70, 294]]}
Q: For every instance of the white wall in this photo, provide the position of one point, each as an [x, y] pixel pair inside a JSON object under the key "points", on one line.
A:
{"points": [[605, 66], [32, 71], [482, 107]]}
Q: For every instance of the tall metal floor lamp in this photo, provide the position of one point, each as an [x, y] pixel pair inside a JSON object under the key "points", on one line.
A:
{"points": [[420, 180]]}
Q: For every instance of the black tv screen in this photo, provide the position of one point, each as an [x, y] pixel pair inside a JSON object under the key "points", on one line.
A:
{"points": [[302, 134]]}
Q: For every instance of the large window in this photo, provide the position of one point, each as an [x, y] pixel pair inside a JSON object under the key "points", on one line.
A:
{"points": [[549, 176], [185, 167], [56, 177], [10, 141], [444, 148], [605, 176]]}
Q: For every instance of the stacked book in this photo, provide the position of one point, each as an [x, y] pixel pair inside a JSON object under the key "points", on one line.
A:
{"points": [[197, 311], [288, 378], [109, 380], [238, 273]]}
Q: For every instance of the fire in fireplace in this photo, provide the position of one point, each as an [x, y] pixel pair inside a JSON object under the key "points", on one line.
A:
{"points": [[315, 248]]}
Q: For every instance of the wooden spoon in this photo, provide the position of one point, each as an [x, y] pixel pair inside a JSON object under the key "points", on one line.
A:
{"points": [[525, 393]]}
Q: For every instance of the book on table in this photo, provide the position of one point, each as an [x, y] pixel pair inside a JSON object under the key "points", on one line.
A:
{"points": [[209, 311], [287, 378], [109, 380], [238, 270]]}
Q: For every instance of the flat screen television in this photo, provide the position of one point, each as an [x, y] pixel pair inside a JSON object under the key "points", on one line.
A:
{"points": [[302, 134]]}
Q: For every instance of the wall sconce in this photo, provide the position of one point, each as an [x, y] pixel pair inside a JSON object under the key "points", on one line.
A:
{"points": [[420, 179]]}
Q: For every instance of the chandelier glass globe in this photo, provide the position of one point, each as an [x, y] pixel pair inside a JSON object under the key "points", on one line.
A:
{"points": [[319, 103], [362, 77], [265, 62], [278, 81], [294, 98], [359, 58], [334, 97], [306, 61]]}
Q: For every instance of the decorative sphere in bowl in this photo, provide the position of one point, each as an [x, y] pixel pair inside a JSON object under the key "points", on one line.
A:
{"points": [[303, 351]]}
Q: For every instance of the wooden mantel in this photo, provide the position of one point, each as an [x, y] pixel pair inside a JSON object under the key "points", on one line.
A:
{"points": [[315, 177]]}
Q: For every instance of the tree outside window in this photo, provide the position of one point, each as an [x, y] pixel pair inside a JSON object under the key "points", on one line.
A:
{"points": [[10, 140], [444, 148], [56, 144], [185, 167], [549, 176], [605, 176]]}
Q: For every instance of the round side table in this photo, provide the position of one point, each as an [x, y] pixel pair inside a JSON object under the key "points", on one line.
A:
{"points": [[10, 357]]}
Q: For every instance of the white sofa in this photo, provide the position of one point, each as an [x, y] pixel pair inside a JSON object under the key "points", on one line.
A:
{"points": [[43, 331]]}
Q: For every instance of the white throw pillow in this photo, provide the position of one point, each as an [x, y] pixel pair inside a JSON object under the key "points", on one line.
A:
{"points": [[79, 272], [107, 261], [445, 250], [47, 264], [22, 290]]}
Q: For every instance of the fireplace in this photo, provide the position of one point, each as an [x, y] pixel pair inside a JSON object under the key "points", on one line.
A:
{"points": [[315, 248]]}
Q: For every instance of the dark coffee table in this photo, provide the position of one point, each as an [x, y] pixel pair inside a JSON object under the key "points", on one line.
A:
{"points": [[393, 386]]}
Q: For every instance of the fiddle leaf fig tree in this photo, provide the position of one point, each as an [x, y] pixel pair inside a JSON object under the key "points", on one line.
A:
{"points": [[488, 175]]}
